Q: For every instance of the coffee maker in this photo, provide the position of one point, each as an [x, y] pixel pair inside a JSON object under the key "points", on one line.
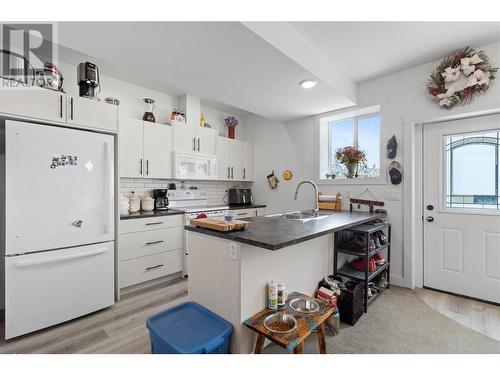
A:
{"points": [[161, 199], [89, 80]]}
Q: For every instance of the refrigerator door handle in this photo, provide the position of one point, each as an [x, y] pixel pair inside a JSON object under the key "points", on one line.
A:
{"points": [[108, 186], [31, 263]]}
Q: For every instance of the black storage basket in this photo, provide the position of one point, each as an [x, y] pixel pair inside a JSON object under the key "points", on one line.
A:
{"points": [[351, 304]]}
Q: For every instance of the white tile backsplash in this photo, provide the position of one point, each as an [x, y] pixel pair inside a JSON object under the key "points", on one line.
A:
{"points": [[216, 190]]}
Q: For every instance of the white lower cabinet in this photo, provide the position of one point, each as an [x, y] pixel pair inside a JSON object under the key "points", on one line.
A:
{"points": [[243, 213], [139, 270], [150, 248], [136, 245]]}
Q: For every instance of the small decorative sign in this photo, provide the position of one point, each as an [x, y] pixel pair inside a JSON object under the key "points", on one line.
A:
{"points": [[273, 180], [287, 174], [63, 160]]}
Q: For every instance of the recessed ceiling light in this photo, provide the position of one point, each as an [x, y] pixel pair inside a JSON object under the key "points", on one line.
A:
{"points": [[308, 84]]}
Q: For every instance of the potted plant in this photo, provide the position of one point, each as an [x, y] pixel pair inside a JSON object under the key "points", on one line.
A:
{"points": [[350, 157]]}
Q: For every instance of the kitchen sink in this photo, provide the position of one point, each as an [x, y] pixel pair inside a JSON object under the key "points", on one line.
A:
{"points": [[302, 216]]}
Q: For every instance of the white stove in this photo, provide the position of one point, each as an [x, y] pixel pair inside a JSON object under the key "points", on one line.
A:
{"points": [[194, 203]]}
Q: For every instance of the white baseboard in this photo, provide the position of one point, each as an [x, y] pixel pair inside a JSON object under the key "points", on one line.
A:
{"points": [[146, 284]]}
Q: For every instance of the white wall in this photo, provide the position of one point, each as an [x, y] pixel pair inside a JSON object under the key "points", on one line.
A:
{"points": [[403, 99], [216, 118]]}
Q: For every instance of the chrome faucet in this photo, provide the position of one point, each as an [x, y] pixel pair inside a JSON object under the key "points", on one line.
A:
{"points": [[316, 209]]}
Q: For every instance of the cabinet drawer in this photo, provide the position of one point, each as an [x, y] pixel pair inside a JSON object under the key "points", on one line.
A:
{"points": [[135, 245], [136, 271], [158, 222], [243, 213]]}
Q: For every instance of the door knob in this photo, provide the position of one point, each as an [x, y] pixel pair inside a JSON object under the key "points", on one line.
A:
{"points": [[430, 219]]}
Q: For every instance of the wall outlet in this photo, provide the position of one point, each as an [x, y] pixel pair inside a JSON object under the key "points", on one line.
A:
{"points": [[233, 250]]}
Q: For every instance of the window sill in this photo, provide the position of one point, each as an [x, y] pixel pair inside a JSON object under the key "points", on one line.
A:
{"points": [[353, 181]]}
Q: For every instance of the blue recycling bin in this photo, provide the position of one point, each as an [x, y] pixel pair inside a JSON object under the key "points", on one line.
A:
{"points": [[189, 328]]}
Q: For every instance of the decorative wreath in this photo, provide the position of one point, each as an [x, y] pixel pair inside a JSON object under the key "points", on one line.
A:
{"points": [[460, 77]]}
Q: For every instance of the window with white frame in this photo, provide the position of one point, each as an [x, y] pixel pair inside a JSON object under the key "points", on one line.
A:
{"points": [[359, 129]]}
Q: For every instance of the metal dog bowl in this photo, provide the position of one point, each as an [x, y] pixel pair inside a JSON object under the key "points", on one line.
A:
{"points": [[280, 322], [304, 305]]}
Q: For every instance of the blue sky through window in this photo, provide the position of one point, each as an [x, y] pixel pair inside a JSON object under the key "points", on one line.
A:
{"points": [[363, 133]]}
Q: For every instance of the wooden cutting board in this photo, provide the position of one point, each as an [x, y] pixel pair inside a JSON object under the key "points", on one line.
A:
{"points": [[220, 225]]}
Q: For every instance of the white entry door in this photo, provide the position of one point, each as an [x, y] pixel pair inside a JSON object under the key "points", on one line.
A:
{"points": [[462, 207]]}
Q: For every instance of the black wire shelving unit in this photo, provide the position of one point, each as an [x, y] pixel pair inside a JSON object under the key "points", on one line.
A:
{"points": [[364, 276]]}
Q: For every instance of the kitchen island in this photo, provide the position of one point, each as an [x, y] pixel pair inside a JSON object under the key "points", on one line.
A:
{"points": [[228, 272]]}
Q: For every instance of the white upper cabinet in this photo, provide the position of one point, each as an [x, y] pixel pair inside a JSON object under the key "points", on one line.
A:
{"points": [[184, 137], [34, 103], [206, 141], [193, 139], [247, 152], [92, 113], [145, 149], [235, 159], [223, 159], [54, 106], [131, 138], [157, 150]]}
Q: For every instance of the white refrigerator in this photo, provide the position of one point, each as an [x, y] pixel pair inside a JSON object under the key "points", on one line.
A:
{"points": [[58, 223]]}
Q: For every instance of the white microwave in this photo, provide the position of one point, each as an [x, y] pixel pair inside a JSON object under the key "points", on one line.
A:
{"points": [[195, 167]]}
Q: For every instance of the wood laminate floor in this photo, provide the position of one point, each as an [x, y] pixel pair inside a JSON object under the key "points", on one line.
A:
{"points": [[120, 328], [479, 316]]}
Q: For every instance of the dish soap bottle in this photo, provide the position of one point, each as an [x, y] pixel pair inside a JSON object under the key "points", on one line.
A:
{"points": [[202, 120]]}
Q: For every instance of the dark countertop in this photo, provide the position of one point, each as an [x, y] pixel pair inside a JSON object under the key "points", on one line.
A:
{"points": [[146, 214], [274, 233], [246, 206]]}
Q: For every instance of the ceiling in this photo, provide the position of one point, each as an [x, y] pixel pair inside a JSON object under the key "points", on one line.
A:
{"points": [[366, 50], [256, 67], [221, 61]]}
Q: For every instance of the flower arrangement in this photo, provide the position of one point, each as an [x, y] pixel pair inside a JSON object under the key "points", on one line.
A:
{"points": [[350, 157], [460, 77], [231, 123]]}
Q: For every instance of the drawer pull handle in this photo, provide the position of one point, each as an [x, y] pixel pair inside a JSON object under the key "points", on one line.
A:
{"points": [[154, 242], [242, 213], [154, 267], [155, 223]]}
